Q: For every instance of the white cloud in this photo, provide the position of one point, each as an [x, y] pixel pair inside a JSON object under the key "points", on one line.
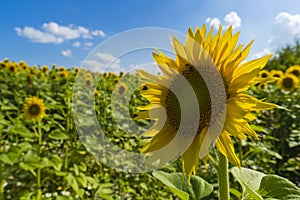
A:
{"points": [[231, 19], [98, 33], [35, 35], [52, 32], [76, 44], [286, 28], [88, 44], [66, 53], [289, 22], [102, 62], [213, 21]]}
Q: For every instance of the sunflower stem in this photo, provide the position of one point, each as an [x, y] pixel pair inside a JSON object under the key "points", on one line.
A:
{"points": [[223, 178], [38, 174]]}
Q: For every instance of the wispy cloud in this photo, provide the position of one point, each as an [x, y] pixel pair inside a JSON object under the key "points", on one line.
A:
{"points": [[98, 33], [88, 44], [76, 44], [52, 32], [286, 28], [231, 19], [67, 53], [101, 62], [35, 35]]}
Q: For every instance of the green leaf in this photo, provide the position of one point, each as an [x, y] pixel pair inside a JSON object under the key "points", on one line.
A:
{"points": [[23, 131], [273, 186], [249, 179], [11, 156], [33, 161], [198, 188], [56, 162], [58, 135], [24, 146], [74, 184]]}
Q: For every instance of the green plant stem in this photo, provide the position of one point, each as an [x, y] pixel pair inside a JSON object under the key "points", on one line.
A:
{"points": [[38, 174], [2, 181], [66, 145], [223, 178]]}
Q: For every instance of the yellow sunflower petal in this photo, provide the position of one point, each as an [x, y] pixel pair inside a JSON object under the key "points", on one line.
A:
{"points": [[225, 146]]}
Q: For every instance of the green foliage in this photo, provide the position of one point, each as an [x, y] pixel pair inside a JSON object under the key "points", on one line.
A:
{"points": [[285, 57], [51, 160], [260, 186], [198, 188]]}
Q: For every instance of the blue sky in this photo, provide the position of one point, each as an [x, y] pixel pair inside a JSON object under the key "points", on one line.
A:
{"points": [[64, 32]]}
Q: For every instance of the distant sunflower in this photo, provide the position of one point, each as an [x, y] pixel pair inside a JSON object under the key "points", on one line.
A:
{"points": [[288, 82], [63, 74], [76, 70], [121, 88], [62, 68], [213, 56], [53, 76], [23, 65], [44, 68], [264, 74], [88, 81], [2, 65], [295, 70], [262, 86], [277, 73], [96, 93], [12, 68], [145, 87], [34, 109]]}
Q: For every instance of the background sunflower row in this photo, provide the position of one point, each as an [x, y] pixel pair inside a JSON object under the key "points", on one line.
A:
{"points": [[45, 154]]}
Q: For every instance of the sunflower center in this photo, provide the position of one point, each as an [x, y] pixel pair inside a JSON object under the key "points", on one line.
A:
{"points": [[34, 109], [264, 75], [296, 73], [121, 90], [12, 69], [88, 83], [288, 82], [173, 108]]}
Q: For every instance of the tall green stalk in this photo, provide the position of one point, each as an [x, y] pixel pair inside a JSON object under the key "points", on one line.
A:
{"points": [[38, 174], [223, 179]]}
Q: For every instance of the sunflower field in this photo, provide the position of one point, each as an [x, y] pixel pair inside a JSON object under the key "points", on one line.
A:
{"points": [[42, 156]]}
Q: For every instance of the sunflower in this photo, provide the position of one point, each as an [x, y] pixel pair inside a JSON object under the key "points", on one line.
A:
{"points": [[288, 82], [121, 88], [44, 68], [145, 87], [2, 65], [207, 75], [88, 80], [277, 73], [34, 109], [12, 68], [262, 86], [62, 69], [63, 74], [23, 65], [53, 76], [295, 70], [264, 74], [96, 93], [76, 69]]}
